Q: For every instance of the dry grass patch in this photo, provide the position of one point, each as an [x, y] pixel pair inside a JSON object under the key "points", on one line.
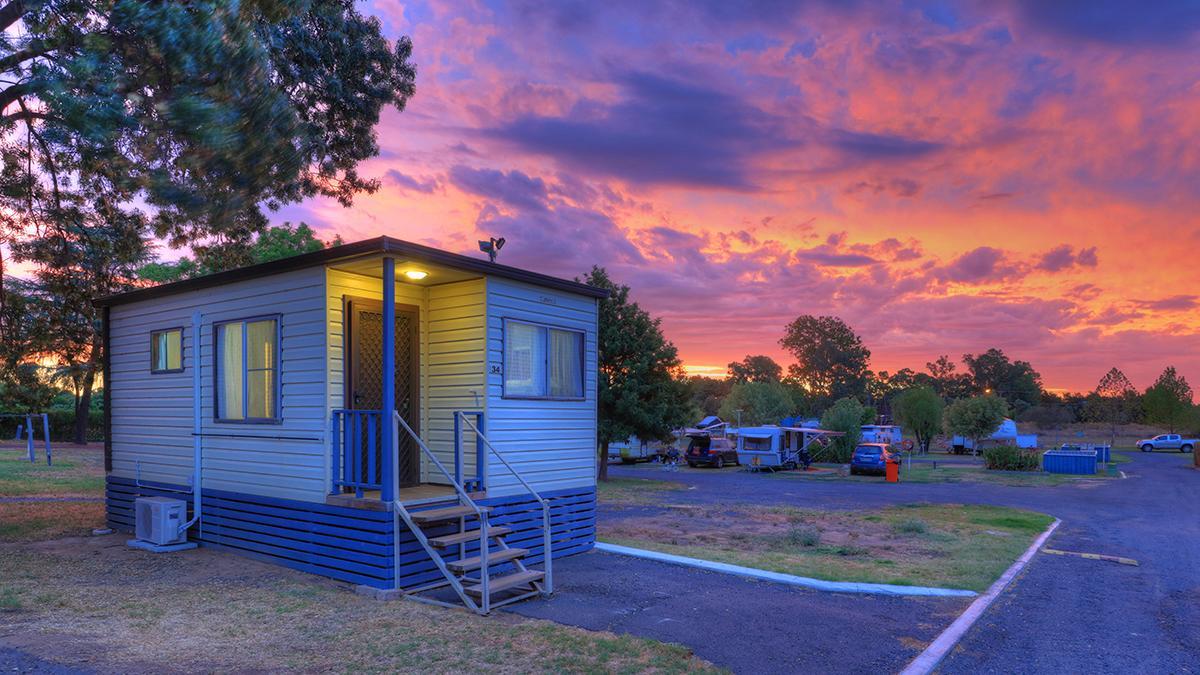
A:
{"points": [[635, 490], [123, 610], [953, 546], [35, 521]]}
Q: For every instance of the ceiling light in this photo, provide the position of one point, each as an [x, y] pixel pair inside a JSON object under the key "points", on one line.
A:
{"points": [[416, 275]]}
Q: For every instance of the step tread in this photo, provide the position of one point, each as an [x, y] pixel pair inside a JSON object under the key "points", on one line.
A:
{"points": [[494, 558], [506, 582], [467, 537], [446, 513]]}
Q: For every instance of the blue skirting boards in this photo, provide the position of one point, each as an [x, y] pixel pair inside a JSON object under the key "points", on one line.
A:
{"points": [[353, 545]]}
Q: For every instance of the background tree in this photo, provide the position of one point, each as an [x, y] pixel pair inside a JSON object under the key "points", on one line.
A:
{"points": [[1168, 402], [273, 243], [1116, 398], [846, 415], [831, 359], [1014, 381], [975, 418], [755, 369], [706, 394], [946, 382], [206, 112], [920, 411], [642, 391], [760, 403]]}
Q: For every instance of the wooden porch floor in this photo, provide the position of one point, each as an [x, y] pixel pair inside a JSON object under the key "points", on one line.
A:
{"points": [[417, 494]]}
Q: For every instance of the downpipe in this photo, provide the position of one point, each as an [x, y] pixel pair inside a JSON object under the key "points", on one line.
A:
{"points": [[197, 433]]}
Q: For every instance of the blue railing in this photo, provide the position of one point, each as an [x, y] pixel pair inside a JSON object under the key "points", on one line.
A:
{"points": [[358, 463], [361, 463], [475, 484]]}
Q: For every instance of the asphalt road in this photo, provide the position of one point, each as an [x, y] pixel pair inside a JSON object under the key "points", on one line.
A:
{"points": [[747, 626], [1062, 614]]}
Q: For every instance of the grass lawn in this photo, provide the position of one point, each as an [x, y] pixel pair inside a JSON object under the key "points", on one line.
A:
{"points": [[77, 472], [952, 546], [633, 490], [94, 602]]}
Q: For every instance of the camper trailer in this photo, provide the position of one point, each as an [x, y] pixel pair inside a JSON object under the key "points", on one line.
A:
{"points": [[777, 447], [1005, 434]]}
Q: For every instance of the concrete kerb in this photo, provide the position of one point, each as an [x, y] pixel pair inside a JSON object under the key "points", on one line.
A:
{"points": [[940, 647], [788, 579]]}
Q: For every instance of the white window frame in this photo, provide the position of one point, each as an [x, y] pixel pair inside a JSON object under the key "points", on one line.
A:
{"points": [[277, 417], [546, 327], [154, 370]]}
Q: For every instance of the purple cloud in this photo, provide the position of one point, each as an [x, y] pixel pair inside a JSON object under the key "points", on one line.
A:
{"points": [[406, 182], [513, 188], [664, 131], [1174, 303], [982, 265]]}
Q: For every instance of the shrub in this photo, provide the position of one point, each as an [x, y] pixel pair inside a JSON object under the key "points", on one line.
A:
{"points": [[804, 535], [846, 415], [912, 526], [1012, 458]]}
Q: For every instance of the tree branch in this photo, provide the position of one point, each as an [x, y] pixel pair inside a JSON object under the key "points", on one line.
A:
{"points": [[12, 13], [11, 94], [32, 51], [28, 116]]}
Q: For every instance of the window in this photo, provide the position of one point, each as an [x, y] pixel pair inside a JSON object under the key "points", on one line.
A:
{"points": [[166, 351], [542, 362], [248, 371], [757, 444]]}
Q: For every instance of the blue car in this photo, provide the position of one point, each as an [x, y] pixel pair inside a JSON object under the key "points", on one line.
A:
{"points": [[872, 458]]}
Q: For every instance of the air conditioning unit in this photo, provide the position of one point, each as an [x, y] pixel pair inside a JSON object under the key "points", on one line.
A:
{"points": [[158, 520]]}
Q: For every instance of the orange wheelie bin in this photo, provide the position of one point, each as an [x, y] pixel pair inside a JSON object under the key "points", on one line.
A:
{"points": [[893, 471]]}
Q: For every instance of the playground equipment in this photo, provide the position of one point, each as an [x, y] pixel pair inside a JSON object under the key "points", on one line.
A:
{"points": [[27, 428]]}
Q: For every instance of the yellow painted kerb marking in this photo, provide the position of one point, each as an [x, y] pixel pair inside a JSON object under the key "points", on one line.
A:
{"points": [[1092, 556]]}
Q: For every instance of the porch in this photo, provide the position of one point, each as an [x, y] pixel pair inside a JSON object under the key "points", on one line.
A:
{"points": [[404, 335]]}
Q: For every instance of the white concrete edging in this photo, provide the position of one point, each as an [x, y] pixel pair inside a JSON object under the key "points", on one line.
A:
{"points": [[780, 578], [937, 650]]}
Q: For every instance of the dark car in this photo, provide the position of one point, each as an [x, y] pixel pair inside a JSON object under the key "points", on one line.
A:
{"points": [[710, 451], [872, 458]]}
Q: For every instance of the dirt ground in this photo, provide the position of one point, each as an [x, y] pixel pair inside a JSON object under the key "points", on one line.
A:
{"points": [[95, 603]]}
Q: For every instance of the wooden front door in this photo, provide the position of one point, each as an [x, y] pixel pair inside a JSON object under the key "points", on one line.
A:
{"points": [[364, 377]]}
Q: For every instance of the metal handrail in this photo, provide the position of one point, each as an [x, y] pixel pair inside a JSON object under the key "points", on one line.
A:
{"points": [[546, 544], [485, 594]]}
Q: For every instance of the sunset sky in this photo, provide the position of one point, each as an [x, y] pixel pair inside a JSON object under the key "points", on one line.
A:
{"points": [[945, 176]]}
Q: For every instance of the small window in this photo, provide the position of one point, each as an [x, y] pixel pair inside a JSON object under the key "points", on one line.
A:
{"points": [[542, 362], [247, 371], [753, 444], [166, 351]]}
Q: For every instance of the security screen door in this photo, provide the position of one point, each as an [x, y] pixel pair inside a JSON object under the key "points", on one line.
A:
{"points": [[364, 379]]}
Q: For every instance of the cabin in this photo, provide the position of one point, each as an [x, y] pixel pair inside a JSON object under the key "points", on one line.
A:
{"points": [[381, 412]]}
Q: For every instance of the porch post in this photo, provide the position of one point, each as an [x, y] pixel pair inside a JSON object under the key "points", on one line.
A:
{"points": [[388, 492]]}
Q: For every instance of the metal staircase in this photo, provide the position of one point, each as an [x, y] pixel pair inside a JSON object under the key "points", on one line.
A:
{"points": [[474, 578]]}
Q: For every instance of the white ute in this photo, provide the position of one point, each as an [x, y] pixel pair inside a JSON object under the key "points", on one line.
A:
{"points": [[1167, 442]]}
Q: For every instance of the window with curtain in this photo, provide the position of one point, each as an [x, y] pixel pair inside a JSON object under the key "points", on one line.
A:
{"points": [[542, 362], [247, 366], [166, 351]]}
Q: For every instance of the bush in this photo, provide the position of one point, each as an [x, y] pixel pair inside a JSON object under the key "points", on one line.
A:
{"points": [[846, 415], [62, 426], [1012, 458], [912, 526], [804, 535]]}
